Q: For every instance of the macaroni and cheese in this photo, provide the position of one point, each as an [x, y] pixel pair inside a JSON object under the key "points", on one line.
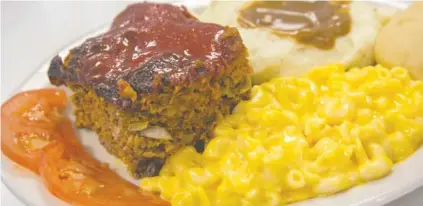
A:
{"points": [[301, 137]]}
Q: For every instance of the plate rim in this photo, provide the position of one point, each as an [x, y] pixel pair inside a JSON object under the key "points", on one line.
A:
{"points": [[381, 199]]}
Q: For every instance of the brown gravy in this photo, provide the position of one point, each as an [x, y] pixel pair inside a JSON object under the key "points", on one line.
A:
{"points": [[316, 23]]}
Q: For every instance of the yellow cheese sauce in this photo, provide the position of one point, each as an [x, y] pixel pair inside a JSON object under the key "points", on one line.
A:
{"points": [[301, 137]]}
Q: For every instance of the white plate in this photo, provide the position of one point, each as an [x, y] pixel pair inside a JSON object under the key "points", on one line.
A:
{"points": [[405, 177]]}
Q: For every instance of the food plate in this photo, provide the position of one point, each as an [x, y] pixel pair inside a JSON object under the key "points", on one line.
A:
{"points": [[406, 176]]}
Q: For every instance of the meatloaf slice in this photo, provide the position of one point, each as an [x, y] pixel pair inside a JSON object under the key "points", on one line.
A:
{"points": [[156, 81]]}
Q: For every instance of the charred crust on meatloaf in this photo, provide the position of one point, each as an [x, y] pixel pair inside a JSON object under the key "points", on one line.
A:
{"points": [[111, 94], [144, 79], [149, 167], [57, 73]]}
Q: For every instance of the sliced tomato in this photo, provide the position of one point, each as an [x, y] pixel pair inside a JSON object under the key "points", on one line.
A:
{"points": [[69, 139], [79, 180], [28, 122], [37, 136]]}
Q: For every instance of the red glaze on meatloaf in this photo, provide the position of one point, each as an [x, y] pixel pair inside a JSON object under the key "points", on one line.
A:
{"points": [[149, 46]]}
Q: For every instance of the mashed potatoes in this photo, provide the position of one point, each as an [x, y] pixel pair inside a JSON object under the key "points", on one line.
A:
{"points": [[400, 42], [271, 55]]}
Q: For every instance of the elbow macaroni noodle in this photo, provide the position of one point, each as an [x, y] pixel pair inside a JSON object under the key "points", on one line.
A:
{"points": [[301, 137]]}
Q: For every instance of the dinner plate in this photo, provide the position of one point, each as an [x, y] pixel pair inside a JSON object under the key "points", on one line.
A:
{"points": [[28, 188]]}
